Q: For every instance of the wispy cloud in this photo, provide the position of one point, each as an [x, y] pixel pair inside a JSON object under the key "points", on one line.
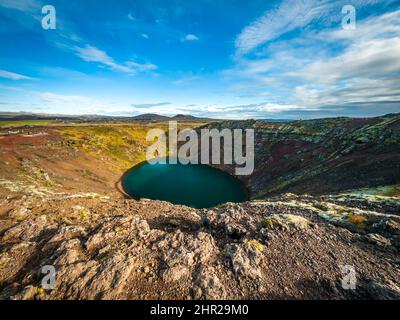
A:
{"points": [[291, 15], [68, 99], [66, 37], [92, 54], [79, 104], [150, 105], [131, 17], [228, 111], [366, 59], [327, 69], [30, 17], [13, 76], [186, 79], [21, 5], [191, 37]]}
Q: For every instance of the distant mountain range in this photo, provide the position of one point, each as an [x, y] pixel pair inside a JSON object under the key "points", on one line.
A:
{"points": [[13, 116], [158, 118]]}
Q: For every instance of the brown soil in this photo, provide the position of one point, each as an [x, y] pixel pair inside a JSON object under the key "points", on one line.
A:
{"points": [[59, 206]]}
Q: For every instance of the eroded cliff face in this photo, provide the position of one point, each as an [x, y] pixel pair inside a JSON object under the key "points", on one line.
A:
{"points": [[322, 156], [59, 207], [305, 157]]}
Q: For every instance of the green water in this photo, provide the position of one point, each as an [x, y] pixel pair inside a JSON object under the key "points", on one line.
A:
{"points": [[197, 186]]}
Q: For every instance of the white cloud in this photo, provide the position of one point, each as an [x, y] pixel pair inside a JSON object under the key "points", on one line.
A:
{"points": [[362, 70], [191, 37], [140, 67], [92, 54], [58, 98], [163, 108], [186, 79], [291, 15], [354, 91], [78, 104], [13, 76], [10, 88], [131, 17], [21, 5], [150, 105], [366, 71], [366, 59]]}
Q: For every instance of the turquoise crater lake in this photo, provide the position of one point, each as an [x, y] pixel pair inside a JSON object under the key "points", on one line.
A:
{"points": [[197, 186]]}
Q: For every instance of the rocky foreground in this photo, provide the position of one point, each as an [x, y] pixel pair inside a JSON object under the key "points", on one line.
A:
{"points": [[288, 247]]}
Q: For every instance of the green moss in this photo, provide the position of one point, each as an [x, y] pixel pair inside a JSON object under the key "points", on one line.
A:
{"points": [[254, 244], [285, 221], [374, 194]]}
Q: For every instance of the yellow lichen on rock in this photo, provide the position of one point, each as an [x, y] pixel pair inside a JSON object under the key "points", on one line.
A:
{"points": [[286, 221], [254, 244]]}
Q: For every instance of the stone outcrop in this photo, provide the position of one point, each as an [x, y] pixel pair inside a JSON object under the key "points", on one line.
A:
{"points": [[252, 250]]}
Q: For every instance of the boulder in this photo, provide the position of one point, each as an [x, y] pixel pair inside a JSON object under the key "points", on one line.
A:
{"points": [[286, 222]]}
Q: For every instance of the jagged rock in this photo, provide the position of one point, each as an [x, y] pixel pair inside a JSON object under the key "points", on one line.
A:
{"points": [[235, 231], [174, 222], [20, 213], [176, 273], [245, 260], [13, 260], [134, 256], [208, 286], [65, 233], [396, 241], [234, 221], [95, 279], [265, 234], [26, 230], [286, 222], [383, 291], [182, 252], [194, 216], [378, 240], [116, 229], [68, 253], [206, 221], [110, 277], [28, 293], [387, 226]]}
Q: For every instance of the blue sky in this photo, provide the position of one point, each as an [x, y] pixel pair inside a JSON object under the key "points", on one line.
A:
{"points": [[225, 59]]}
